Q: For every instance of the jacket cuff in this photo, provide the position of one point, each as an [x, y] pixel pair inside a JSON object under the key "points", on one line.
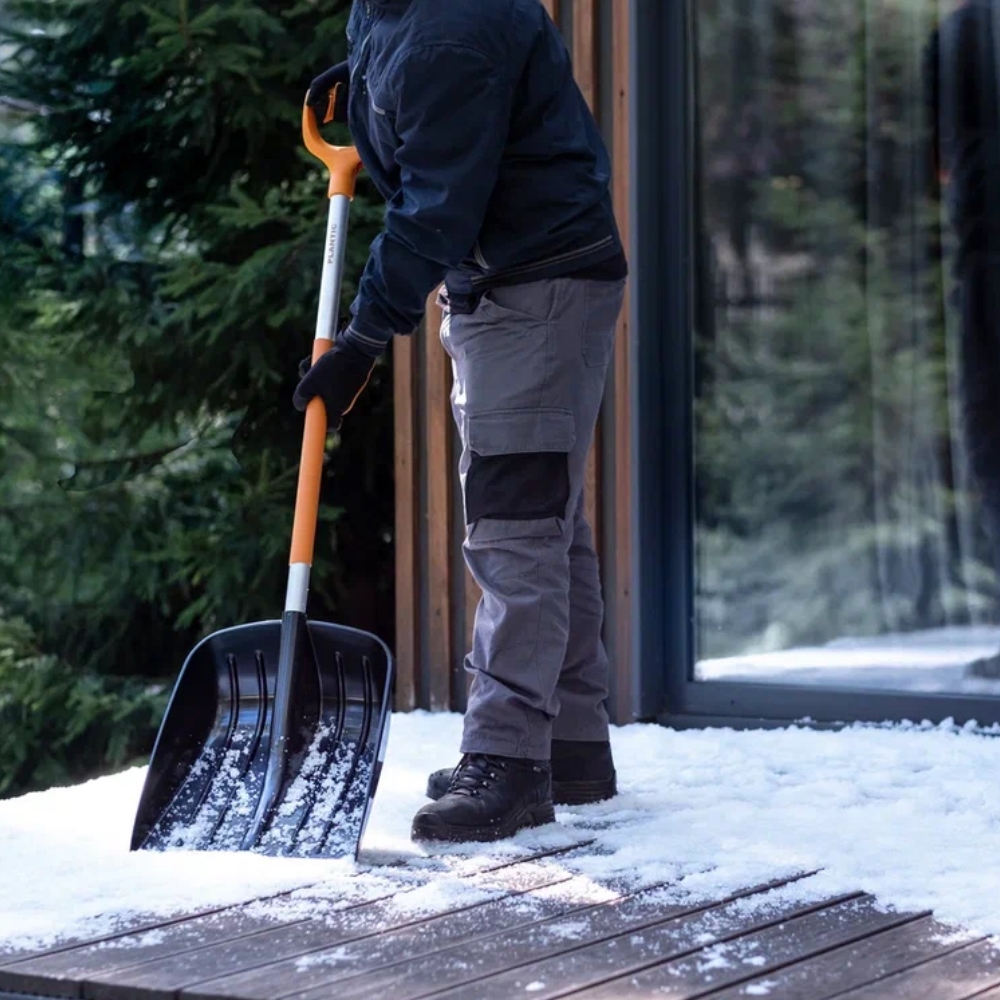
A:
{"points": [[372, 346]]}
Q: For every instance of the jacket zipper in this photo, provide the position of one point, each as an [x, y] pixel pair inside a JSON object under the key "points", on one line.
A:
{"points": [[359, 64]]}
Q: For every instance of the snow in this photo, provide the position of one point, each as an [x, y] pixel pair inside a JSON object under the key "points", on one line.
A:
{"points": [[714, 958], [910, 813], [760, 989], [229, 789], [931, 661]]}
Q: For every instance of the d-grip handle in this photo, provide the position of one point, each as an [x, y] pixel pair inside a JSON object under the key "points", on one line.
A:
{"points": [[343, 162]]}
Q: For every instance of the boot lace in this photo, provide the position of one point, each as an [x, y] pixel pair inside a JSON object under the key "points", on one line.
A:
{"points": [[476, 772]]}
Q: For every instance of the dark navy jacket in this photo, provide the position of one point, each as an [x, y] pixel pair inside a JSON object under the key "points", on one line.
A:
{"points": [[467, 118]]}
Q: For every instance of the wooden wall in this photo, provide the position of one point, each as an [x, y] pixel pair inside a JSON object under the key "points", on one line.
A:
{"points": [[435, 596]]}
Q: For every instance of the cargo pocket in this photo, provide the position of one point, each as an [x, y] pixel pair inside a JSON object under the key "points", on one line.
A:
{"points": [[517, 485], [603, 307]]}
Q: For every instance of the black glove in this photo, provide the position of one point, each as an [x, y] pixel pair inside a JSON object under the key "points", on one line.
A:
{"points": [[328, 94], [338, 378]]}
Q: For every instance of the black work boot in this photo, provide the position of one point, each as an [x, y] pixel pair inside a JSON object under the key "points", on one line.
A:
{"points": [[488, 798], [581, 773]]}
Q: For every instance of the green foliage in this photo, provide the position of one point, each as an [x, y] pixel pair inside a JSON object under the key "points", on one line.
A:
{"points": [[58, 725], [161, 231]]}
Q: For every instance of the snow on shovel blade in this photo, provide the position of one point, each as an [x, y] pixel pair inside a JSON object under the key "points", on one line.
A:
{"points": [[209, 766]]}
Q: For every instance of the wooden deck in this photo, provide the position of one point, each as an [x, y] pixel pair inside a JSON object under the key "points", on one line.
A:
{"points": [[538, 929]]}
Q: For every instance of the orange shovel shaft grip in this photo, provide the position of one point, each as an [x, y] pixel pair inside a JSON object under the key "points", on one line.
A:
{"points": [[310, 473]]}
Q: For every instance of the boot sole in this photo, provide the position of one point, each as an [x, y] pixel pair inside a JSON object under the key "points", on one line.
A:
{"points": [[538, 815], [581, 793]]}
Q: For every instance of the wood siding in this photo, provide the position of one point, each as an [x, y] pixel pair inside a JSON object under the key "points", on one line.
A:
{"points": [[435, 596]]}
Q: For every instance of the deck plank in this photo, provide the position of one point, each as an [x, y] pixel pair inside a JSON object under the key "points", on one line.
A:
{"points": [[959, 975], [63, 970], [141, 923], [63, 974], [677, 960], [993, 994], [135, 924], [166, 977], [145, 928], [10, 954], [470, 962], [343, 962], [857, 964], [20, 954], [739, 947], [4, 995]]}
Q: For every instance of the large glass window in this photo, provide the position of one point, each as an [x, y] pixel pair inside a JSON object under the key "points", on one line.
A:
{"points": [[847, 412]]}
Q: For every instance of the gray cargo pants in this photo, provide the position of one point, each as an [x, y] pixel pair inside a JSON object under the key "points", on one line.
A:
{"points": [[530, 366]]}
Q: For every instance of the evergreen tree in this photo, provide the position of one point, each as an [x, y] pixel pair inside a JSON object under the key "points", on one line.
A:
{"points": [[161, 230]]}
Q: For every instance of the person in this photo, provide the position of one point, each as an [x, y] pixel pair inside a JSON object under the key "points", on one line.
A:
{"points": [[961, 93], [468, 120]]}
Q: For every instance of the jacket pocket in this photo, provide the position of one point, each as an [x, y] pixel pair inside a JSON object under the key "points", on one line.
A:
{"points": [[382, 125]]}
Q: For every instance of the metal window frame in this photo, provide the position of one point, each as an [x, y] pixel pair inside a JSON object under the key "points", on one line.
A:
{"points": [[663, 171]]}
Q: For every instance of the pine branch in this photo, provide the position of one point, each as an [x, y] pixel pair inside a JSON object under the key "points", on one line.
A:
{"points": [[144, 459], [28, 109]]}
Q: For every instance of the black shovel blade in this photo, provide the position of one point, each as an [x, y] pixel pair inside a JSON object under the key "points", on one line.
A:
{"points": [[223, 776]]}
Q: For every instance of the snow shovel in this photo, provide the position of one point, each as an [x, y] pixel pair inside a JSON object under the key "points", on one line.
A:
{"points": [[275, 733]]}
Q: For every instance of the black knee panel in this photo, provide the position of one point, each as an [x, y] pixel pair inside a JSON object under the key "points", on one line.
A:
{"points": [[519, 487]]}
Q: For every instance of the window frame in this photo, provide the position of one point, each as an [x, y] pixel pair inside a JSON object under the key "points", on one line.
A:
{"points": [[663, 172]]}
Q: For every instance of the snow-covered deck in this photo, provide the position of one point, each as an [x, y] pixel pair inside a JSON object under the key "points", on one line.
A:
{"points": [[789, 863]]}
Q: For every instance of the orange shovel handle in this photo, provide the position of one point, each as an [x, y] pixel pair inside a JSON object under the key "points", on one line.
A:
{"points": [[343, 164], [310, 473]]}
